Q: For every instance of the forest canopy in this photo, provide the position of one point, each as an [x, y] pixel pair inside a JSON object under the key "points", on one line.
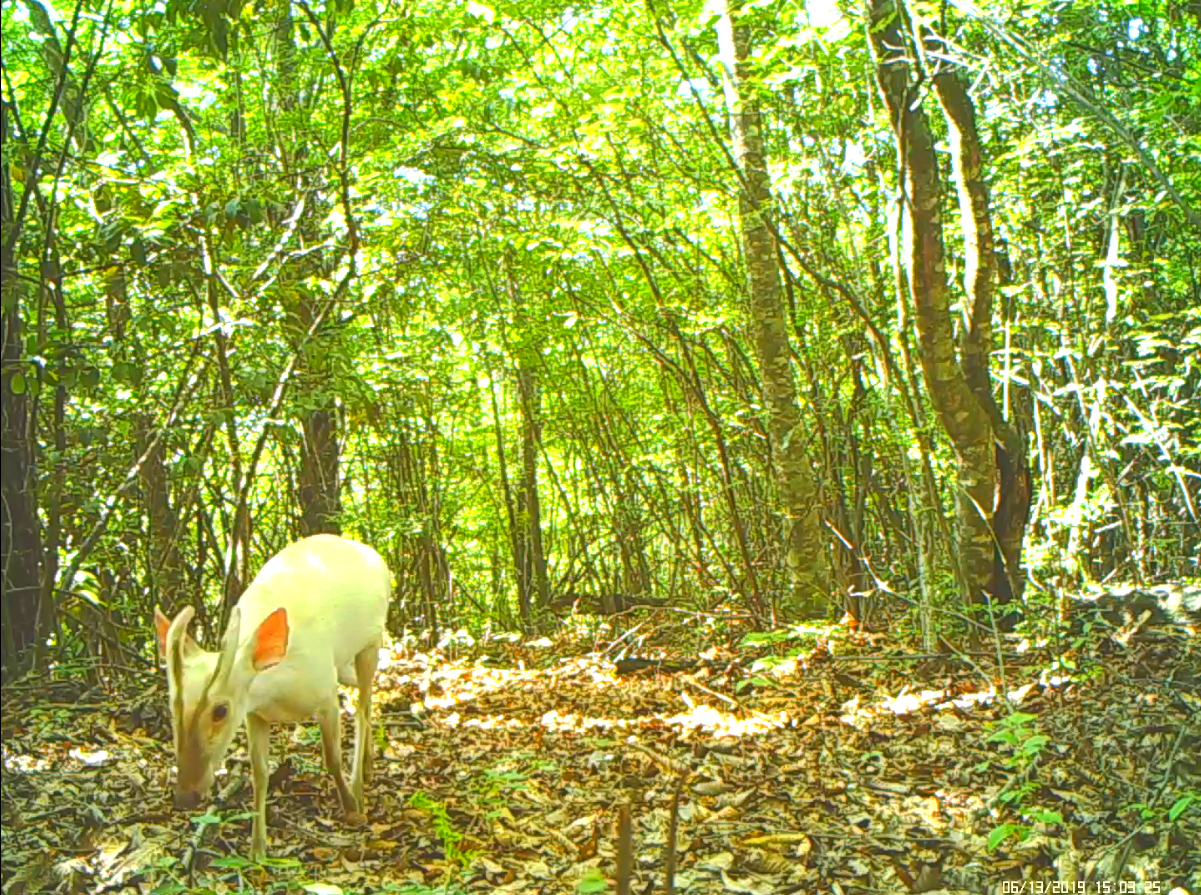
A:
{"points": [[796, 308]]}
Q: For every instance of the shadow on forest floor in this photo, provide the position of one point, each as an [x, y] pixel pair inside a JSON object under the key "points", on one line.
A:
{"points": [[848, 767]]}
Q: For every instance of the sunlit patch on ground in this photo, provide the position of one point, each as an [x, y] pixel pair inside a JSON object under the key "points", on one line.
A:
{"points": [[25, 764]]}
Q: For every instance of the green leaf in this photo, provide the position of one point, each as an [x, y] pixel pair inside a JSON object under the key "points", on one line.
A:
{"points": [[1020, 718], [17, 383], [591, 882], [1003, 832], [1181, 805], [761, 638], [280, 863], [127, 372], [233, 862]]}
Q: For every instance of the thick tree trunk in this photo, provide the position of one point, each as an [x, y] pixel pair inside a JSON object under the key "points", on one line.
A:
{"points": [[806, 541], [959, 411], [320, 490], [1011, 505], [19, 538]]}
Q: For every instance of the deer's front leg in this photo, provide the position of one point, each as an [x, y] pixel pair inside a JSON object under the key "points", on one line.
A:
{"points": [[258, 732]]}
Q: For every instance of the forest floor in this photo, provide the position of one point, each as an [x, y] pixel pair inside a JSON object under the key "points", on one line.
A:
{"points": [[822, 763]]}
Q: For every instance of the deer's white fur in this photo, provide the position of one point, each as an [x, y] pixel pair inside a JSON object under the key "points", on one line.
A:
{"points": [[312, 617]]}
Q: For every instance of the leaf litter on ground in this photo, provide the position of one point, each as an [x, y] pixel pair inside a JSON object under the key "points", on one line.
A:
{"points": [[817, 762]]}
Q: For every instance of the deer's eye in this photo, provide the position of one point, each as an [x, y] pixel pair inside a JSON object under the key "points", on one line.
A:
{"points": [[220, 711]]}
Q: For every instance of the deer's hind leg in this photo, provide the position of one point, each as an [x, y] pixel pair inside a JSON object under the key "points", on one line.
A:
{"points": [[365, 664]]}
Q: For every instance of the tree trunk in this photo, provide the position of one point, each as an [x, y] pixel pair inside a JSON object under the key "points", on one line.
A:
{"points": [[806, 542], [516, 542], [166, 563], [1011, 506], [19, 537], [320, 489], [533, 575], [959, 411], [52, 506]]}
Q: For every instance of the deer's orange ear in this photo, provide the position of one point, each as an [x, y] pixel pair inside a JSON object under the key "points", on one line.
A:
{"points": [[162, 623], [271, 640]]}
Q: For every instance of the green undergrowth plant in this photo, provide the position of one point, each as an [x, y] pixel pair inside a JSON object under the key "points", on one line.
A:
{"points": [[1022, 742], [448, 834], [285, 875], [782, 645], [493, 788]]}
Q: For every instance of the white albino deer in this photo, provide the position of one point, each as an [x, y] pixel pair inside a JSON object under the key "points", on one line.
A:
{"points": [[312, 617]]}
